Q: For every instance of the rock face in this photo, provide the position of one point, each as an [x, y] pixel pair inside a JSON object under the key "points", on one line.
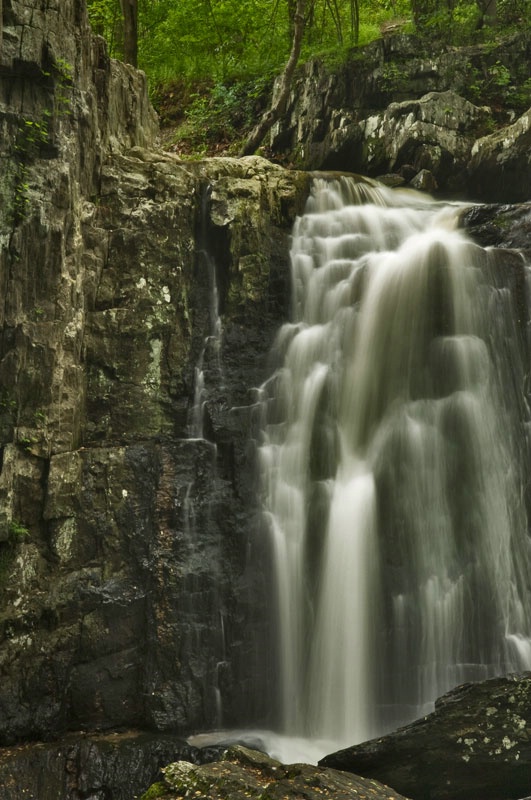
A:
{"points": [[245, 774], [118, 766], [500, 166], [125, 593], [435, 133], [476, 745], [397, 105]]}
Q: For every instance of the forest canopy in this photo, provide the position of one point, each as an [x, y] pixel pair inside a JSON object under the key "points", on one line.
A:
{"points": [[220, 40]]}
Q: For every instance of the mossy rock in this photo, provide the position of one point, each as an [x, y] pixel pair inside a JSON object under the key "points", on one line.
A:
{"points": [[156, 790]]}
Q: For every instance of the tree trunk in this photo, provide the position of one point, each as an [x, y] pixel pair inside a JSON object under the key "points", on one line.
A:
{"points": [[279, 105], [130, 15], [488, 11]]}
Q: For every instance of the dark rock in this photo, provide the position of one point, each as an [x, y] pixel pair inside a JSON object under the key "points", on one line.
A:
{"points": [[392, 179], [248, 774], [500, 167], [130, 601], [424, 181], [495, 225], [474, 746], [117, 765]]}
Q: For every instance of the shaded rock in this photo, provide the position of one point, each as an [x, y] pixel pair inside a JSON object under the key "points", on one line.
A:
{"points": [[129, 601], [117, 765], [476, 745], [248, 774], [392, 179], [424, 181], [500, 166], [434, 133], [495, 225], [322, 127]]}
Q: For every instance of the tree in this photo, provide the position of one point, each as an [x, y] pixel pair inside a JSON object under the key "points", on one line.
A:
{"points": [[279, 104], [130, 17], [488, 10]]}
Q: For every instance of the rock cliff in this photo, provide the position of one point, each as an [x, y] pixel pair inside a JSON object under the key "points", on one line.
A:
{"points": [[125, 591], [404, 105]]}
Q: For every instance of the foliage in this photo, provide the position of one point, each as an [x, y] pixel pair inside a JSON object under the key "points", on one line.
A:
{"points": [[220, 113], [223, 40], [17, 531]]}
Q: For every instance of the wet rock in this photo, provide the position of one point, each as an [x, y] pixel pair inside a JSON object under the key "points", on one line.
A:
{"points": [[125, 594], [392, 179], [117, 765], [248, 774], [474, 746], [495, 225]]}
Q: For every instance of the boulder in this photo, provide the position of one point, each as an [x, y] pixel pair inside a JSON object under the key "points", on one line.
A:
{"points": [[500, 165], [244, 774], [476, 745], [499, 225], [433, 134]]}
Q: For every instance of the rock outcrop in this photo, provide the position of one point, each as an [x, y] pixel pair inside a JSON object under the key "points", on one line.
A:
{"points": [[435, 133], [397, 105], [125, 592], [245, 774], [117, 765], [499, 169], [476, 745]]}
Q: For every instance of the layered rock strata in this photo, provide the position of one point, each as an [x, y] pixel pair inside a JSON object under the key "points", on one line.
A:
{"points": [[125, 587]]}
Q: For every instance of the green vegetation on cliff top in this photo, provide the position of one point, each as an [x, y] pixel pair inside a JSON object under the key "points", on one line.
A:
{"points": [[211, 63]]}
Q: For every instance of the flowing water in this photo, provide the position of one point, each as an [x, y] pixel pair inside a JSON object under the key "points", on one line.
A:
{"points": [[391, 466]]}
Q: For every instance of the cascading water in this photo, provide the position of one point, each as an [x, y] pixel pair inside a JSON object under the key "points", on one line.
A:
{"points": [[391, 467], [210, 352]]}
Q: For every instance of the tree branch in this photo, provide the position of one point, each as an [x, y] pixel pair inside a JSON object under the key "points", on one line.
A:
{"points": [[279, 106]]}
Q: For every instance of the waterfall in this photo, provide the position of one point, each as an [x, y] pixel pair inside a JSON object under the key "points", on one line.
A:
{"points": [[392, 466]]}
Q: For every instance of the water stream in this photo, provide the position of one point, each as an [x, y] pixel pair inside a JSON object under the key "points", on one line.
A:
{"points": [[391, 467]]}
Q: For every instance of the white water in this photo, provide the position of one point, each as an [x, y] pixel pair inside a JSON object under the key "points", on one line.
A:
{"points": [[391, 468]]}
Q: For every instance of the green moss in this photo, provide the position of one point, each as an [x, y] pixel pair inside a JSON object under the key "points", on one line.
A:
{"points": [[156, 790]]}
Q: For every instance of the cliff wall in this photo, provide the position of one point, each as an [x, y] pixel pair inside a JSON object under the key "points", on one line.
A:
{"points": [[124, 590]]}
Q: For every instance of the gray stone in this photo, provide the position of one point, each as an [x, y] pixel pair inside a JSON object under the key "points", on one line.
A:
{"points": [[128, 602], [401, 94], [499, 169], [424, 181], [474, 746]]}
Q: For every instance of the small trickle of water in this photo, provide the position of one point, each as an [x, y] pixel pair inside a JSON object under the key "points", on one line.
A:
{"points": [[390, 467], [208, 368]]}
